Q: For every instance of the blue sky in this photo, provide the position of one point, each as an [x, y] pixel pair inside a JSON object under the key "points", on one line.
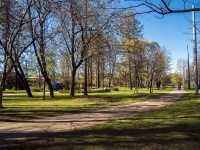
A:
{"points": [[173, 31]]}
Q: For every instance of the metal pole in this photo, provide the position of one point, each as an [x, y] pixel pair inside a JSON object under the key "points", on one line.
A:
{"points": [[195, 52]]}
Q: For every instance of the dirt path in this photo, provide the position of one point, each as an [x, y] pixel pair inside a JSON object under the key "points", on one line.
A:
{"points": [[12, 132]]}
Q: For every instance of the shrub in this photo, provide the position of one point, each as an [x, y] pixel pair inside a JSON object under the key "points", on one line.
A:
{"points": [[36, 90], [99, 90], [107, 90], [116, 89], [63, 91], [89, 91]]}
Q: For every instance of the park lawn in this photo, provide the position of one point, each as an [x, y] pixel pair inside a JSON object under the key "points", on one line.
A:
{"points": [[170, 128], [19, 106]]}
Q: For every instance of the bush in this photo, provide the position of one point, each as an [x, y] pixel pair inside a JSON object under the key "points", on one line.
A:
{"points": [[99, 90], [116, 89], [63, 91], [107, 90], [89, 91], [36, 90]]}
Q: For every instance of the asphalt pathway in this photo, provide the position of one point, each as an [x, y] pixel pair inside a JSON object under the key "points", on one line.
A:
{"points": [[12, 132]]}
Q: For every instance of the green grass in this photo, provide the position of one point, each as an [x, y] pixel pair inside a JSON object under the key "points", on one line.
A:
{"points": [[176, 127], [19, 106]]}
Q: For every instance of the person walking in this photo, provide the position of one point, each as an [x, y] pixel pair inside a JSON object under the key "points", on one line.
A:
{"points": [[179, 86]]}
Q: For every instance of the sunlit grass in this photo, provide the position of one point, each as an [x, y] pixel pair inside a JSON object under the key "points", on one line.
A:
{"points": [[18, 105]]}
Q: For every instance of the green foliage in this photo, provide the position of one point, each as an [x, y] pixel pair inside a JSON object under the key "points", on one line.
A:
{"points": [[176, 78], [10, 82]]}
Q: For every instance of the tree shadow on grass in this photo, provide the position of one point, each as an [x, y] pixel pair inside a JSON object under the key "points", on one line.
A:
{"points": [[130, 135]]}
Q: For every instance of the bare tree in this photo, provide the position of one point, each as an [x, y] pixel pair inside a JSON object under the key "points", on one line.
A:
{"points": [[12, 27], [130, 29], [112, 59], [181, 69], [155, 60], [161, 7], [81, 22], [39, 16]]}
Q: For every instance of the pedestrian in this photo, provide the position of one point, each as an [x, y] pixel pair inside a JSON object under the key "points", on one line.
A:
{"points": [[179, 86]]}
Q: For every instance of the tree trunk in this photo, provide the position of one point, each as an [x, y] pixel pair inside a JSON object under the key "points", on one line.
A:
{"points": [[136, 84], [22, 76], [151, 88], [1, 86], [109, 83], [1, 97], [85, 78], [130, 76], [98, 74], [72, 91], [16, 79], [195, 53], [44, 90], [102, 75], [48, 81], [91, 72]]}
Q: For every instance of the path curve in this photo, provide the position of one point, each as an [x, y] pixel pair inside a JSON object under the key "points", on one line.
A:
{"points": [[12, 132]]}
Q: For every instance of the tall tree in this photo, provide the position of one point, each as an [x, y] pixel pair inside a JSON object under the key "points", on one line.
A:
{"points": [[12, 23], [154, 60], [181, 69], [81, 22], [44, 33], [131, 29]]}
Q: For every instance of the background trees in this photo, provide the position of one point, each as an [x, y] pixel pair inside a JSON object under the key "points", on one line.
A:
{"points": [[77, 41], [131, 30]]}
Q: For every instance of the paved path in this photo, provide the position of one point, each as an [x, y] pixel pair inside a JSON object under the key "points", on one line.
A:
{"points": [[11, 132]]}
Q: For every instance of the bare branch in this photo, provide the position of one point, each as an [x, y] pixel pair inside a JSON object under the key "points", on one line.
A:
{"points": [[162, 9]]}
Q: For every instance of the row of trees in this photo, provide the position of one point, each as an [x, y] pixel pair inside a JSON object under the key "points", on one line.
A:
{"points": [[91, 37]]}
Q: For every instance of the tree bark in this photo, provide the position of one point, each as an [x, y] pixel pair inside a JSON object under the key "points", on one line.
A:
{"points": [[98, 73], [85, 77], [48, 81], [22, 76], [1, 97], [2, 84], [16, 79], [72, 88], [130, 70]]}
